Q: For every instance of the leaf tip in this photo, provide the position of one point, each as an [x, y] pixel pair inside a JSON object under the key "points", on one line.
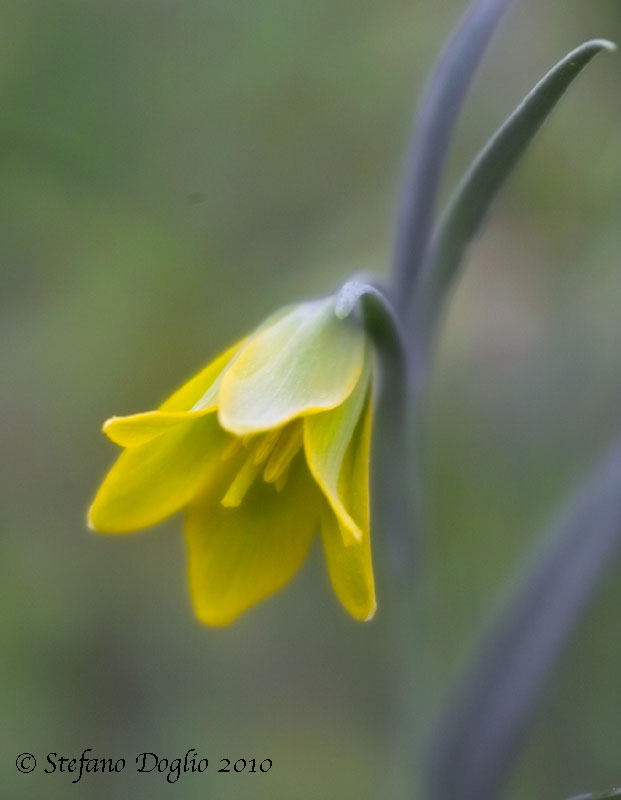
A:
{"points": [[604, 44]]}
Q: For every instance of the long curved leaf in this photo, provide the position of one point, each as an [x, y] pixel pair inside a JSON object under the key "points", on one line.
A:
{"points": [[488, 172], [435, 122], [490, 714]]}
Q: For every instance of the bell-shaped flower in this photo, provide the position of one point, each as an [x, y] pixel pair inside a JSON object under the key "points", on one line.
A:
{"points": [[264, 447]]}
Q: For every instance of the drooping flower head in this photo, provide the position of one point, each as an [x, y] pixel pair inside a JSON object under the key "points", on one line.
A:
{"points": [[264, 447]]}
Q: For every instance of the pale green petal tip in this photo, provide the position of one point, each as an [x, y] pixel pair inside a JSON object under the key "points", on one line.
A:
{"points": [[107, 423], [371, 614], [359, 612], [108, 428], [89, 521], [95, 525]]}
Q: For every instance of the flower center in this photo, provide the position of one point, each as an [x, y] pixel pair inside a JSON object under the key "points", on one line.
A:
{"points": [[270, 452]]}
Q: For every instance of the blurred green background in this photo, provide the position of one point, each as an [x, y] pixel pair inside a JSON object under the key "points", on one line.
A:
{"points": [[171, 173]]}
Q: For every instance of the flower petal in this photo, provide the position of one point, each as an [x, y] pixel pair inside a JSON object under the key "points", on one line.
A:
{"points": [[153, 480], [195, 398], [326, 439], [137, 429], [306, 361], [237, 556], [350, 567]]}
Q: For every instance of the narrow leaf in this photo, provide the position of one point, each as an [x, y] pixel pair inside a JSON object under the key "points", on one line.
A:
{"points": [[489, 717], [437, 115], [488, 172]]}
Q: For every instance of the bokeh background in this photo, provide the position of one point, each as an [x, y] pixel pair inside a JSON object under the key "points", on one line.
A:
{"points": [[171, 173]]}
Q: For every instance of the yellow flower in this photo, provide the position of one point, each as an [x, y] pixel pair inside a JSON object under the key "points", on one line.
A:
{"points": [[263, 447]]}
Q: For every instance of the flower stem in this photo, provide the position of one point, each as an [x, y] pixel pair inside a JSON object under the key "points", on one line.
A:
{"points": [[398, 445]]}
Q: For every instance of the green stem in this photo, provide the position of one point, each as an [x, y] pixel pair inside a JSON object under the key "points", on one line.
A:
{"points": [[404, 588], [397, 520]]}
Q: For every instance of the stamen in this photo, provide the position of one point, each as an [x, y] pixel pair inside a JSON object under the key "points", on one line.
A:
{"points": [[281, 480], [277, 447], [241, 483], [285, 450], [265, 445], [232, 449]]}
